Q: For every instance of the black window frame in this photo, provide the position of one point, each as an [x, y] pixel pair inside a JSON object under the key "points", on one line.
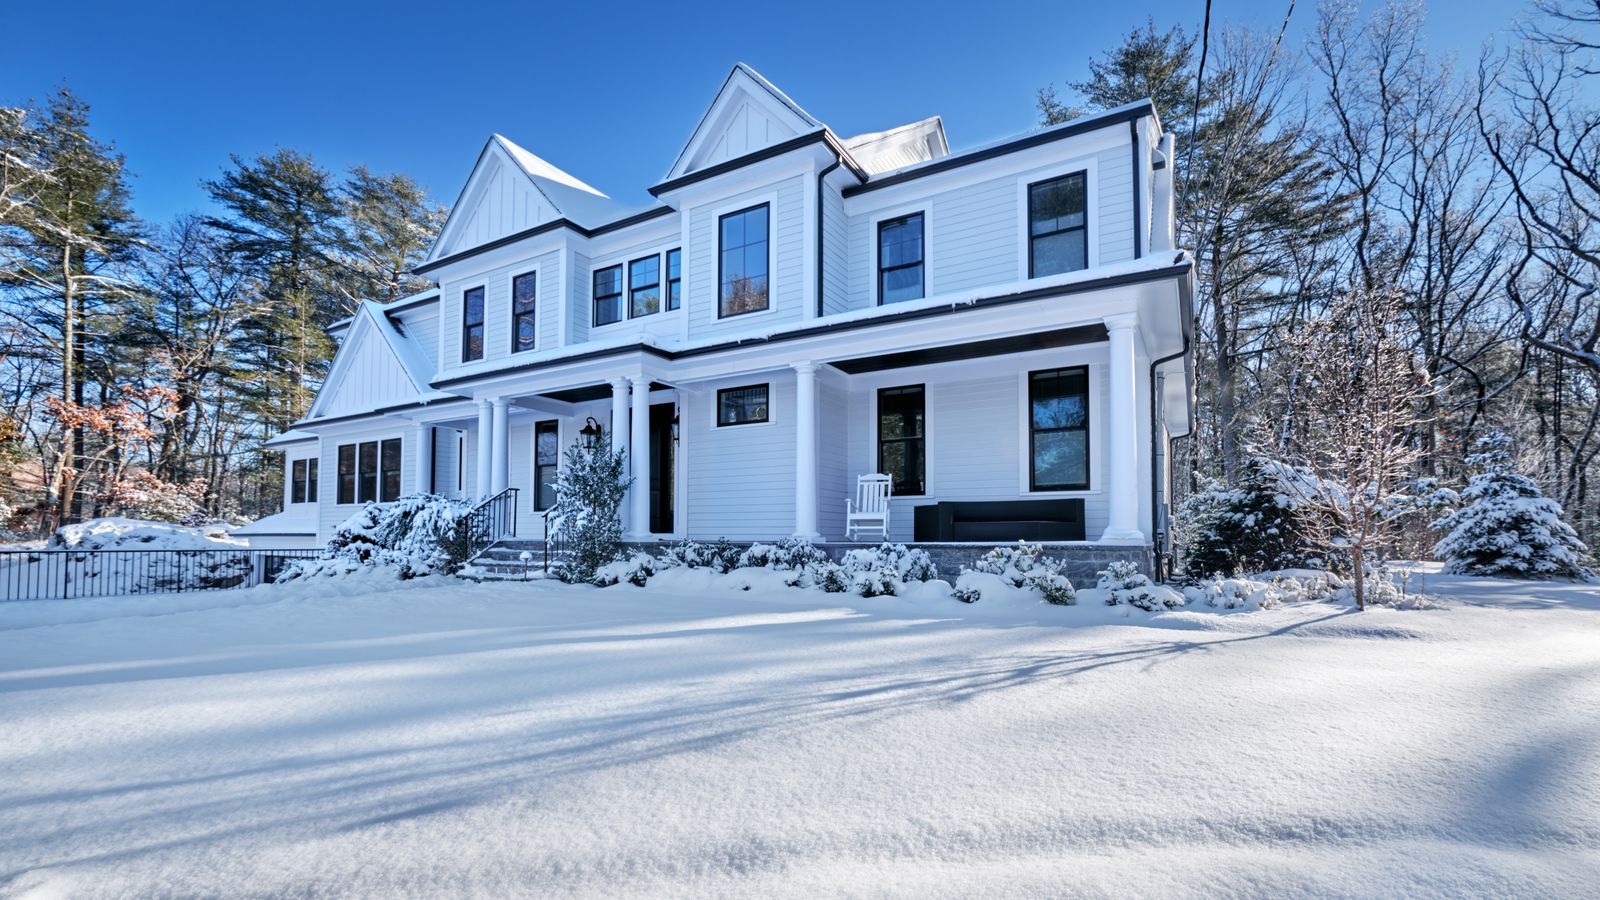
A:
{"points": [[347, 474], [297, 481], [919, 265], [672, 297], [596, 297], [766, 405], [1033, 432], [467, 324], [312, 465], [919, 440], [385, 473], [367, 477], [767, 275], [541, 476], [634, 289], [531, 313], [1081, 175]]}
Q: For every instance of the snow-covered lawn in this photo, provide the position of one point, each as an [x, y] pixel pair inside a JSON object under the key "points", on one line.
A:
{"points": [[433, 739]]}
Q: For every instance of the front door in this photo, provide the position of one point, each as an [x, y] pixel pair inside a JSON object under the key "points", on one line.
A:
{"points": [[663, 466]]}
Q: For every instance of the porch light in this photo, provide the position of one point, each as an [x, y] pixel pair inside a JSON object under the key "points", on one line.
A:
{"points": [[590, 432]]}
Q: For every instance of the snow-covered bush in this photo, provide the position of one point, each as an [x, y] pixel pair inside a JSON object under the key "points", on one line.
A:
{"points": [[141, 495], [1249, 528], [590, 486], [1235, 593], [790, 554], [415, 535], [1125, 585], [719, 557], [635, 570], [1506, 525], [882, 571], [1020, 567]]}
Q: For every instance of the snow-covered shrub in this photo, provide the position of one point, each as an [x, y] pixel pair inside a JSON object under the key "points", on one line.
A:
{"points": [[1507, 526], [414, 535], [635, 570], [719, 557], [1235, 593], [590, 486], [1249, 528], [1125, 585], [790, 554], [882, 571], [1020, 567]]}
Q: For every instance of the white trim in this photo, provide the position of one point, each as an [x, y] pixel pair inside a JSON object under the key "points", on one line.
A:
{"points": [[875, 440], [727, 207], [874, 221], [1094, 443], [735, 383], [1091, 210]]}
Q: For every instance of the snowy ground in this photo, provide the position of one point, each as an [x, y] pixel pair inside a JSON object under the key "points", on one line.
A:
{"points": [[499, 740]]}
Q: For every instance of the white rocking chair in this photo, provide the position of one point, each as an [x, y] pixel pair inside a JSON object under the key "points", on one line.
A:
{"points": [[869, 511]]}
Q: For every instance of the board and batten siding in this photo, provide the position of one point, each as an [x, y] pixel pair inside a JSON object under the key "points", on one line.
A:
{"points": [[508, 203], [372, 377], [787, 248], [741, 478]]}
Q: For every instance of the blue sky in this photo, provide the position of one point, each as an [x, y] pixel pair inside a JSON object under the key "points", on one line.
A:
{"points": [[607, 91]]}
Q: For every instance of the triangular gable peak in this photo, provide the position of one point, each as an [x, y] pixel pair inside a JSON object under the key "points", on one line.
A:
{"points": [[512, 190], [375, 367], [748, 114]]}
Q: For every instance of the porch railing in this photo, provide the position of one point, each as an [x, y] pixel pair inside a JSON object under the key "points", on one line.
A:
{"points": [[78, 574], [489, 521]]}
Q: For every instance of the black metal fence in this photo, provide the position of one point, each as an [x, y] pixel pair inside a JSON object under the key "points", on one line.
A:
{"points": [[76, 574]]}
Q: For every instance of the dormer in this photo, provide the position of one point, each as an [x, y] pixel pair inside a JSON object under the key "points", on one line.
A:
{"points": [[748, 114]]}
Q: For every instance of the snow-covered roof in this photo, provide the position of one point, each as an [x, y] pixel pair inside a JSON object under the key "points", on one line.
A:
{"points": [[299, 518], [572, 198], [896, 148], [292, 436]]}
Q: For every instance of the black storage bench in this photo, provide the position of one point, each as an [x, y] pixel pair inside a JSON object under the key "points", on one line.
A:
{"points": [[1001, 521]]}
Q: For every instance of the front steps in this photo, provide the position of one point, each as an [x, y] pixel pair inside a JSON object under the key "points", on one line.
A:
{"points": [[502, 561]]}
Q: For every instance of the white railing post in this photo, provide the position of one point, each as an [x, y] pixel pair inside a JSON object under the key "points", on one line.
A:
{"points": [[1122, 434], [805, 451]]}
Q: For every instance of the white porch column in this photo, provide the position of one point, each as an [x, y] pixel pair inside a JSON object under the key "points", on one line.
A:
{"points": [[500, 457], [485, 440], [1122, 434], [805, 451], [422, 437], [619, 431], [639, 462]]}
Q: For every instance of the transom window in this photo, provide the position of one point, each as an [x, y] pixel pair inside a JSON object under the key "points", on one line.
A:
{"points": [[524, 326], [674, 279], [644, 286], [608, 295], [1058, 233], [369, 471], [742, 405], [1058, 429], [546, 458], [742, 263], [902, 438], [900, 259], [472, 324], [303, 481]]}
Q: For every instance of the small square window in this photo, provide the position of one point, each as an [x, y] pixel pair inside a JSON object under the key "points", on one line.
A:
{"points": [[742, 405]]}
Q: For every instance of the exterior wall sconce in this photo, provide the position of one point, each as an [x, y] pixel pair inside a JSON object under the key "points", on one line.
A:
{"points": [[590, 432]]}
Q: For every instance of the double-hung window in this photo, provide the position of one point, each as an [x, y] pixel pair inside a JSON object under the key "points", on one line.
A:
{"points": [[347, 473], [902, 438], [472, 324], [742, 262], [546, 457], [367, 471], [303, 481], [389, 470], [900, 259], [608, 295], [1058, 233], [644, 286], [1058, 429], [674, 279], [742, 405], [524, 324]]}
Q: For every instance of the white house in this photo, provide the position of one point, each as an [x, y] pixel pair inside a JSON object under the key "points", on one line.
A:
{"points": [[1004, 330]]}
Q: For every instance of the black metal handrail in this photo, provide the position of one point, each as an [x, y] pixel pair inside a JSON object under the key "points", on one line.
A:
{"points": [[552, 539], [489, 521], [77, 574]]}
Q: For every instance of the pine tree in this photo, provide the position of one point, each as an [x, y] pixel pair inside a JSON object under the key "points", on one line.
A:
{"points": [[1508, 527], [1159, 66], [392, 223], [590, 486], [1251, 528]]}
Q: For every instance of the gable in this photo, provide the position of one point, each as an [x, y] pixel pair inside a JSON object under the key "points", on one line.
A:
{"points": [[748, 114], [498, 200], [367, 373]]}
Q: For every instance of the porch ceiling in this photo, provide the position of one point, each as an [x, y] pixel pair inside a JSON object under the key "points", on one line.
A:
{"points": [[593, 392], [1041, 340]]}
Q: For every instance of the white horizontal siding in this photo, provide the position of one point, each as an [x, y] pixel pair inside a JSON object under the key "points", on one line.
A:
{"points": [[1115, 172], [836, 249], [741, 478]]}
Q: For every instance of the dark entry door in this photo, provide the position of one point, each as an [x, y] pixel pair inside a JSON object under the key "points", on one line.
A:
{"points": [[663, 467]]}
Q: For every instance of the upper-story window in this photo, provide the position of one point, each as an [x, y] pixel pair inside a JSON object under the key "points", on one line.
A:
{"points": [[742, 266], [608, 295], [900, 259], [1058, 233], [674, 279], [644, 286], [472, 324], [524, 326]]}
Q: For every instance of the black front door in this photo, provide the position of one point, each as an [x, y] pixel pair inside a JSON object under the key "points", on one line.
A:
{"points": [[663, 466]]}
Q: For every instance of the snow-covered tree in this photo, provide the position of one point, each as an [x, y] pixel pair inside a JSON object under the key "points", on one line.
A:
{"points": [[1506, 525], [1250, 528], [590, 486]]}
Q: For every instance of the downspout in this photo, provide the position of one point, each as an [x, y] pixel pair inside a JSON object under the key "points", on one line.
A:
{"points": [[1138, 201], [1155, 474], [821, 177]]}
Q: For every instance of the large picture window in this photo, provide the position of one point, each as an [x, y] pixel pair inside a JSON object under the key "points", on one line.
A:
{"points": [[303, 481], [347, 473], [644, 286], [1058, 233], [608, 295], [742, 262], [546, 457], [524, 323], [1058, 429], [472, 324], [674, 279], [742, 405], [367, 471], [902, 438], [900, 259]]}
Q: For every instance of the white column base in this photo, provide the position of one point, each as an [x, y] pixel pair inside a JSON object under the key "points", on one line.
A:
{"points": [[1123, 536]]}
